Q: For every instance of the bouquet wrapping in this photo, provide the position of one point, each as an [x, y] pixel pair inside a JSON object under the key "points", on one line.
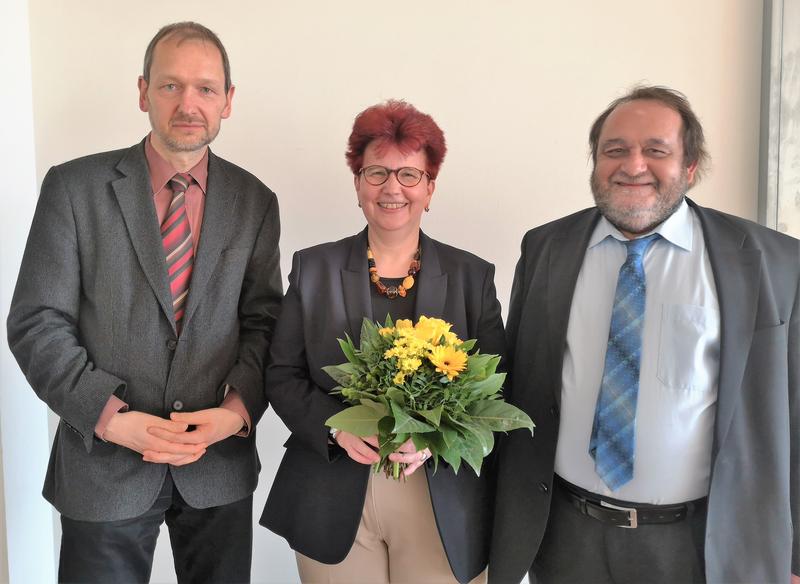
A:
{"points": [[420, 382]]}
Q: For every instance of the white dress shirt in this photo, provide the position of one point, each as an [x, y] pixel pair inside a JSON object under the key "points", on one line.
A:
{"points": [[679, 365]]}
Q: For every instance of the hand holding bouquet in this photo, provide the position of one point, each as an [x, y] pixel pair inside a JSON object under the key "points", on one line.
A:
{"points": [[419, 382]]}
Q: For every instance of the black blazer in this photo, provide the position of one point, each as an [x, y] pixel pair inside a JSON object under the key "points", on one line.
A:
{"points": [[318, 493], [754, 498]]}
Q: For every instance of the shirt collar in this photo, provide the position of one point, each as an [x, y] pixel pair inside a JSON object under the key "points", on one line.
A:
{"points": [[161, 170], [677, 229]]}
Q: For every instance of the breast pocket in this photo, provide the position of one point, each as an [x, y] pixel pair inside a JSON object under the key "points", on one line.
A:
{"points": [[688, 352]]}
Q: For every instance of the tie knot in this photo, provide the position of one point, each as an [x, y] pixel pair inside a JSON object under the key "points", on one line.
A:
{"points": [[180, 182], [637, 247]]}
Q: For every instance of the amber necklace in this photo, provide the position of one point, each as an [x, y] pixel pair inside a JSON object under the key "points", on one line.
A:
{"points": [[400, 289]]}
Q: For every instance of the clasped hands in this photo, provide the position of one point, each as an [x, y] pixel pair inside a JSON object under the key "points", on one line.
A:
{"points": [[170, 441], [364, 450]]}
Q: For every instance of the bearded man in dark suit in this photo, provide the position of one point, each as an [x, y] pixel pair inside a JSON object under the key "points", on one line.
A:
{"points": [[142, 316], [656, 344]]}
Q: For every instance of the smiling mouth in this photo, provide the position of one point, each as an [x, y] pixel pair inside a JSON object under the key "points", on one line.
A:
{"points": [[392, 205], [627, 185]]}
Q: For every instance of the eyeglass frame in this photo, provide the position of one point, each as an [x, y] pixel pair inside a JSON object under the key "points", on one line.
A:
{"points": [[389, 172]]}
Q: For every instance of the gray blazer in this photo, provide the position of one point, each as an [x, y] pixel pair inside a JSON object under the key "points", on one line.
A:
{"points": [[318, 494], [91, 316], [754, 501]]}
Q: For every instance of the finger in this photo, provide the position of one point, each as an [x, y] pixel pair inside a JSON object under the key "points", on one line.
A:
{"points": [[189, 417], [360, 458], [189, 459], [159, 445], [164, 457], [371, 440], [169, 425], [177, 437], [407, 446], [366, 452], [409, 470], [406, 457]]}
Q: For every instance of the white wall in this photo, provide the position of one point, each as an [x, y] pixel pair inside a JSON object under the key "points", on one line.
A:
{"points": [[27, 541], [514, 84]]}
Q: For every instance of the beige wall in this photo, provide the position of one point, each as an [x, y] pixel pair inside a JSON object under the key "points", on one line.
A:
{"points": [[514, 84]]}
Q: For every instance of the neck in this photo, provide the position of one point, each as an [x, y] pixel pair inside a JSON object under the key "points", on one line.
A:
{"points": [[180, 161], [393, 252]]}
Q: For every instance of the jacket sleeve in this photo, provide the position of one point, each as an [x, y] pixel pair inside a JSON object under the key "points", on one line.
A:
{"points": [[794, 425], [43, 321], [301, 404], [259, 306]]}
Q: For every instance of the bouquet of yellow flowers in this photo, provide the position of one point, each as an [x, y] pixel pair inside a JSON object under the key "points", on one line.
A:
{"points": [[419, 382]]}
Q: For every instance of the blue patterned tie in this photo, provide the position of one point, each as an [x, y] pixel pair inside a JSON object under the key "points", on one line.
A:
{"points": [[613, 432]]}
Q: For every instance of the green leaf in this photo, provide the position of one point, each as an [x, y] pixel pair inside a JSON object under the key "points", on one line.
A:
{"points": [[452, 456], [499, 416], [380, 408], [405, 423], [370, 337], [388, 323], [341, 374], [477, 364], [434, 416], [489, 386], [349, 350], [420, 441], [396, 395], [466, 346], [359, 420], [449, 435], [472, 452], [473, 431]]}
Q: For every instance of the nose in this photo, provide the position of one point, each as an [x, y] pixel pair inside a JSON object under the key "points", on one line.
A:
{"points": [[634, 164], [392, 185], [188, 101]]}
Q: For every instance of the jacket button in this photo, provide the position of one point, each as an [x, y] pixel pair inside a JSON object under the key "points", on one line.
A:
{"points": [[177, 405], [172, 344], [543, 487], [554, 411]]}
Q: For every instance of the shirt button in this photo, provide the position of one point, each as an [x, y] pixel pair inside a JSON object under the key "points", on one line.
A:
{"points": [[177, 405], [543, 487], [172, 344]]}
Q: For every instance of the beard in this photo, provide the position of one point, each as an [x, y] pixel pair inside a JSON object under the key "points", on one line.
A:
{"points": [[639, 218], [176, 143]]}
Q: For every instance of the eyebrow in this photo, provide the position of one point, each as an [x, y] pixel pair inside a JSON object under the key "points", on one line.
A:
{"points": [[648, 142]]}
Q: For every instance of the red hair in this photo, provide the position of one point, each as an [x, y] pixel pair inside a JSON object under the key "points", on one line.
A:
{"points": [[399, 124]]}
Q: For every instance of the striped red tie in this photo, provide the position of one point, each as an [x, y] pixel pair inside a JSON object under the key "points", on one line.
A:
{"points": [[176, 236]]}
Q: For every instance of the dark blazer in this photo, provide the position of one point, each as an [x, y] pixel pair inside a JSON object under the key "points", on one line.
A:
{"points": [[92, 315], [755, 485], [318, 493]]}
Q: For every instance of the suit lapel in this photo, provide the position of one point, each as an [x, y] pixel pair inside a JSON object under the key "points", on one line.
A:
{"points": [[431, 282], [218, 218], [355, 286], [133, 192], [567, 250], [737, 273]]}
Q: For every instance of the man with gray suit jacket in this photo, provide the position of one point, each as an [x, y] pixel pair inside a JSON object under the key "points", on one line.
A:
{"points": [[142, 316], [656, 344]]}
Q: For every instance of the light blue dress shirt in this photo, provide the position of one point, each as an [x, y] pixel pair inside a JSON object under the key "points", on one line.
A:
{"points": [[679, 367]]}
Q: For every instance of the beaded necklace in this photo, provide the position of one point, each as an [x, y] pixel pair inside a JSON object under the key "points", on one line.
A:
{"points": [[400, 289]]}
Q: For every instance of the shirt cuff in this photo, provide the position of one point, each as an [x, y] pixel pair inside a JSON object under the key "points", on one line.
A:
{"points": [[233, 402], [113, 405]]}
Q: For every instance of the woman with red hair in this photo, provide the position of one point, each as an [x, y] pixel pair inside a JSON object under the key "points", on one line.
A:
{"points": [[345, 523]]}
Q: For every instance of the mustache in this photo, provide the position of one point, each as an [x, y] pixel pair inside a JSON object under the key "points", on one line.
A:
{"points": [[187, 120], [638, 179]]}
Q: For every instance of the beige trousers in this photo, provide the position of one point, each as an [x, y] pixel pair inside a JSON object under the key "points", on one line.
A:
{"points": [[397, 540]]}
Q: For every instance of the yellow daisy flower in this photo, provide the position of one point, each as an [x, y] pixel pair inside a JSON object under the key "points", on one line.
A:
{"points": [[448, 360]]}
